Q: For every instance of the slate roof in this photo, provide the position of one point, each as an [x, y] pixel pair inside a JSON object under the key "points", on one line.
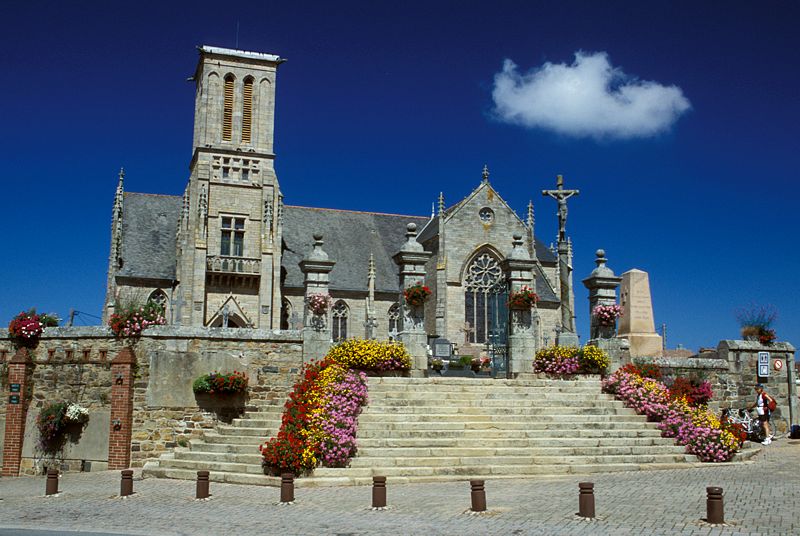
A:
{"points": [[349, 238], [543, 289], [149, 225]]}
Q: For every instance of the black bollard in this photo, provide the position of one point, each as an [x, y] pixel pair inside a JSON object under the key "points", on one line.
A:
{"points": [[202, 485], [126, 484], [714, 507], [586, 499], [51, 487], [478, 496], [287, 487], [379, 492]]}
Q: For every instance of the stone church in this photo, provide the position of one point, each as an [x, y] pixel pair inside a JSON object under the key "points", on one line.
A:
{"points": [[228, 252]]}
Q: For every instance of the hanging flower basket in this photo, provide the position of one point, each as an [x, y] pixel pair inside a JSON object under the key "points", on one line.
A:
{"points": [[57, 422], [318, 303], [131, 319], [26, 328], [523, 299], [416, 295]]}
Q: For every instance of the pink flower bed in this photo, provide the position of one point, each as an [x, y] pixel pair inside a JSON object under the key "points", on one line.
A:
{"points": [[699, 429]]}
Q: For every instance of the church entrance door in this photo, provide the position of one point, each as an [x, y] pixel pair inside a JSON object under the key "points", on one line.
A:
{"points": [[497, 334]]}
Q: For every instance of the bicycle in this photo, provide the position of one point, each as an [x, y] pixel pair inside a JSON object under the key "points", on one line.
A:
{"points": [[753, 427]]}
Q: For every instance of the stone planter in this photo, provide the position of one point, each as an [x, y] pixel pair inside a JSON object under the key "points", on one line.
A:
{"points": [[226, 406]]}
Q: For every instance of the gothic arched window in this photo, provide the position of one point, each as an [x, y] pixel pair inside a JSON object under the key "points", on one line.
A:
{"points": [[483, 278], [247, 109], [394, 320], [159, 297], [340, 312], [227, 109]]}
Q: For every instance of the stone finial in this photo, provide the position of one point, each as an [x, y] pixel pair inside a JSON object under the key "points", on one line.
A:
{"points": [[411, 244], [371, 270], [316, 253], [517, 251], [441, 203], [602, 270], [485, 173]]}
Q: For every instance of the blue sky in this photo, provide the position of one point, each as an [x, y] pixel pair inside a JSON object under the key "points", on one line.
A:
{"points": [[382, 105]]}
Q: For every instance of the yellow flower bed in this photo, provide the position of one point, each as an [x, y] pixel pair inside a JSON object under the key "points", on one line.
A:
{"points": [[368, 354]]}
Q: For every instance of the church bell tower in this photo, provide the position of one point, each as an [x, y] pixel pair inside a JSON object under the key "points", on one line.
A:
{"points": [[229, 236]]}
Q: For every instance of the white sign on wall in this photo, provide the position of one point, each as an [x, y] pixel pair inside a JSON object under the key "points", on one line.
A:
{"points": [[763, 364]]}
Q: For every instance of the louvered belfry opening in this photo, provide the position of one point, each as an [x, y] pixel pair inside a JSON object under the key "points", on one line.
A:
{"points": [[247, 110], [227, 110]]}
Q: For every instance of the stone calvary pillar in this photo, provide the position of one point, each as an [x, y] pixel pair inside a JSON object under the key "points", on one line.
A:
{"points": [[411, 329], [636, 323], [523, 323], [568, 335], [316, 268]]}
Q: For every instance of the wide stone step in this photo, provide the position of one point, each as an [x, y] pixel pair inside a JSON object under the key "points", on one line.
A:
{"points": [[521, 383], [558, 431], [448, 413], [459, 397], [464, 472], [226, 467], [226, 429], [197, 445], [515, 424], [248, 422], [217, 438], [529, 403], [477, 391], [367, 445], [348, 477], [477, 449], [253, 458], [558, 457]]}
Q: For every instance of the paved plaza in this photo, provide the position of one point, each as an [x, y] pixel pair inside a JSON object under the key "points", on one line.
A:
{"points": [[760, 498]]}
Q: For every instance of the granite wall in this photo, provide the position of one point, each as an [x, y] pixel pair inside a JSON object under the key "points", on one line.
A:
{"points": [[75, 364]]}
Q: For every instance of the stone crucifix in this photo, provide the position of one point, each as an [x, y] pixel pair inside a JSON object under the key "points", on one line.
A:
{"points": [[561, 195]]}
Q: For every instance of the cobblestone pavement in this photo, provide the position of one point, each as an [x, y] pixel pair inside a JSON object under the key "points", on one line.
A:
{"points": [[760, 498]]}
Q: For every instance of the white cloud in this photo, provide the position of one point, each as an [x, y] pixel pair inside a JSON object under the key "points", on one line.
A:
{"points": [[589, 98]]}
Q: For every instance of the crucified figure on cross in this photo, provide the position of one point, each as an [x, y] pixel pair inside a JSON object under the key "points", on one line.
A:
{"points": [[561, 195]]}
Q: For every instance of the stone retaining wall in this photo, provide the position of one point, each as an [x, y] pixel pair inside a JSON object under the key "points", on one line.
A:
{"points": [[75, 364], [732, 370]]}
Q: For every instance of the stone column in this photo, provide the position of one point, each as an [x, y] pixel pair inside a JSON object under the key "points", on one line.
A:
{"points": [[568, 335], [119, 437], [522, 328], [16, 410], [411, 259], [602, 285], [316, 268]]}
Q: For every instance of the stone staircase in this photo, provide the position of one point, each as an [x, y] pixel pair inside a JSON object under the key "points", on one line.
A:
{"points": [[438, 429]]}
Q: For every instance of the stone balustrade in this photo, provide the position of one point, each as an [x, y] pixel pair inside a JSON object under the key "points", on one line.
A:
{"points": [[233, 265]]}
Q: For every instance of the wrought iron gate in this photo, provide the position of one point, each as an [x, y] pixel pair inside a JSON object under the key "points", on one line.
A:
{"points": [[497, 333]]}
